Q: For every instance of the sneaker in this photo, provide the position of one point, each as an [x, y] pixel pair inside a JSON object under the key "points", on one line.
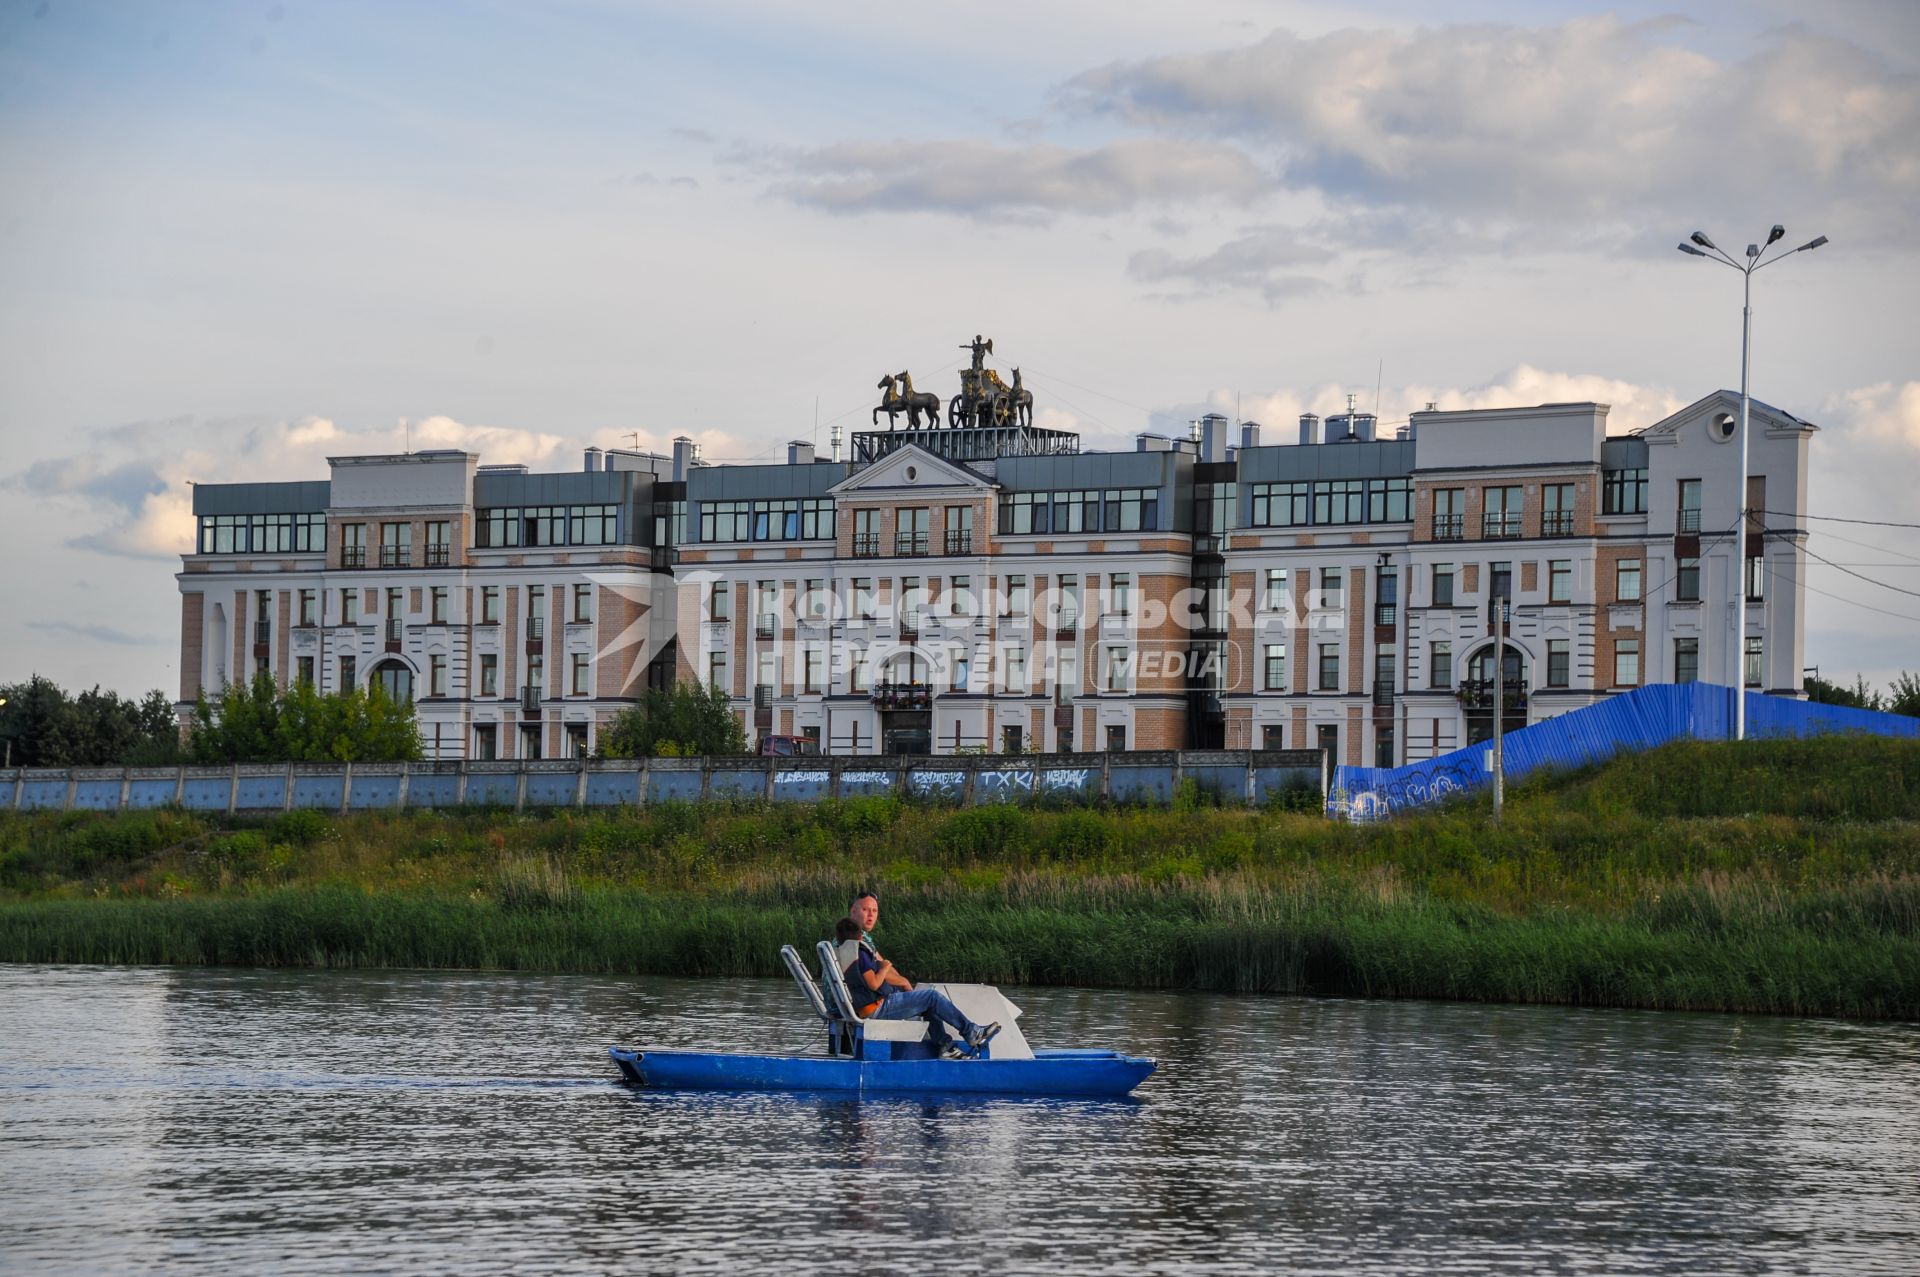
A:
{"points": [[953, 1053], [981, 1035]]}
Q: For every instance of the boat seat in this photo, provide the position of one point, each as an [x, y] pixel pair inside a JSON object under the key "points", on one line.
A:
{"points": [[842, 1002], [802, 977]]}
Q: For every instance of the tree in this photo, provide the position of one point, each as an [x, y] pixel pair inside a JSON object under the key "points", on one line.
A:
{"points": [[1859, 696], [690, 719], [1904, 696], [47, 728], [259, 723]]}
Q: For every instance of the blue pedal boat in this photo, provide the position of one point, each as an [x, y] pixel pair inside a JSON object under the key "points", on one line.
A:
{"points": [[885, 1057]]}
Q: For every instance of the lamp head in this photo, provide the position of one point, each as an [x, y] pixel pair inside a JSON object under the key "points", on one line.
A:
{"points": [[1815, 244], [1700, 238], [1689, 250], [1776, 234], [1753, 250]]}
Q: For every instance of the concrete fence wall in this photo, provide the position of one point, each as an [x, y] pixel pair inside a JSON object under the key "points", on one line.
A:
{"points": [[1235, 776]]}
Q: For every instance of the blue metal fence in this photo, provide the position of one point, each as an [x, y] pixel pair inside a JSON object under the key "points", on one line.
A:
{"points": [[1634, 720]]}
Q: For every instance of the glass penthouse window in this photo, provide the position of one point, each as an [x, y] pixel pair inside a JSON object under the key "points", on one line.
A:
{"points": [[1082, 510], [1280, 505], [1340, 501], [1624, 492], [726, 521], [263, 533], [793, 519]]}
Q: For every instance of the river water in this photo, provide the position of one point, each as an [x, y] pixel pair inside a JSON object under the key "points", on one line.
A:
{"points": [[240, 1121]]}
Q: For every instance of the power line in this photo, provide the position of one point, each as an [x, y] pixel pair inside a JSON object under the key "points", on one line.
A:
{"points": [[1868, 545], [1885, 585], [1834, 518], [1841, 598]]}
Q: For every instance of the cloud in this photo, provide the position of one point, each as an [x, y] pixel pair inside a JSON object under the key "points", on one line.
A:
{"points": [[1593, 122], [1267, 261], [1033, 181], [97, 633], [1881, 416], [134, 480]]}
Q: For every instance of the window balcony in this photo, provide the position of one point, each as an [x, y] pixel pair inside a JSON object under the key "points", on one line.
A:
{"points": [[910, 544], [395, 556], [866, 545], [1478, 694], [1448, 527], [763, 626], [1383, 695], [536, 627], [353, 556], [1687, 519], [902, 696], [393, 629], [530, 699], [1386, 614], [1556, 523], [910, 621], [959, 543], [263, 631], [1500, 527], [439, 556]]}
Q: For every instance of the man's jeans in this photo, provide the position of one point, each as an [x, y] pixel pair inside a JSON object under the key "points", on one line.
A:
{"points": [[905, 1004]]}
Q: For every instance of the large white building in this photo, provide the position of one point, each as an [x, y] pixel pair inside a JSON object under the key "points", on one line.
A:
{"points": [[995, 588]]}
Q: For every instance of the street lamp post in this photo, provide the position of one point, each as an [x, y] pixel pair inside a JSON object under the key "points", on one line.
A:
{"points": [[1704, 247]]}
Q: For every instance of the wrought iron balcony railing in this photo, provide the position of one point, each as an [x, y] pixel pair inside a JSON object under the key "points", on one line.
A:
{"points": [[1556, 523], [902, 696], [1448, 527], [353, 556], [536, 627], [438, 556], [910, 544], [866, 545], [1478, 694], [1687, 519], [959, 543], [1500, 527], [395, 556]]}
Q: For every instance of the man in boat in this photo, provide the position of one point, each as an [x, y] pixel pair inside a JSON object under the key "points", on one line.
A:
{"points": [[880, 992]]}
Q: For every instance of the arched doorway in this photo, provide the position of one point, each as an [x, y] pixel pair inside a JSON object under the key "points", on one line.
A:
{"points": [[1477, 691], [395, 678]]}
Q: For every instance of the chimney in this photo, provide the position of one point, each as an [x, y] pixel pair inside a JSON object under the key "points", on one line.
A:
{"points": [[1213, 437], [1147, 441], [593, 460], [1365, 427], [1309, 427], [682, 457], [799, 453], [1249, 434]]}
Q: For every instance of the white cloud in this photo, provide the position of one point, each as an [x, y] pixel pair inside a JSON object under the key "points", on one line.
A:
{"points": [[1593, 122], [134, 480], [1034, 180]]}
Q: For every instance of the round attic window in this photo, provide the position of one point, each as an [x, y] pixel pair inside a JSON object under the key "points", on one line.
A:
{"points": [[912, 474], [1721, 426]]}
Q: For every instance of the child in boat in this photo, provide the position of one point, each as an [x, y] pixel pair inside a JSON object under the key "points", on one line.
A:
{"points": [[876, 997]]}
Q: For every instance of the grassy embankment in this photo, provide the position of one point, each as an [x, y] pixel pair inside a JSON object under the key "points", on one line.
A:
{"points": [[1772, 876]]}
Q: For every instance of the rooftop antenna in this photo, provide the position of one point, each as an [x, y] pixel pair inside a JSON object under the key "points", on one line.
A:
{"points": [[635, 436], [407, 422], [836, 439], [1379, 376], [816, 421]]}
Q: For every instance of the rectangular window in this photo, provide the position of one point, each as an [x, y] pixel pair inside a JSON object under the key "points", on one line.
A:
{"points": [[813, 602], [1383, 747], [1440, 665], [1386, 673], [1626, 581], [1624, 492], [1329, 667], [1067, 684], [1010, 740], [1756, 578], [1120, 593], [717, 674], [959, 529], [1339, 501], [1559, 663], [1276, 596], [962, 671], [592, 525], [496, 528], [1389, 500], [582, 603], [1018, 602], [1280, 505], [1016, 668], [486, 742], [348, 673], [812, 666], [1687, 517], [912, 601], [863, 607], [304, 664], [1626, 663], [396, 545], [580, 684], [859, 672], [1449, 514], [1327, 737], [1273, 736], [1443, 585], [349, 607], [1116, 739], [439, 543], [1331, 593], [537, 676], [1751, 663], [720, 601], [1686, 581], [1500, 580], [438, 604], [1386, 603], [1560, 580], [960, 596], [1018, 513], [1556, 513], [1686, 660], [1069, 603], [726, 521], [1276, 667], [395, 613], [910, 530], [437, 674], [1503, 506], [307, 598], [489, 674]]}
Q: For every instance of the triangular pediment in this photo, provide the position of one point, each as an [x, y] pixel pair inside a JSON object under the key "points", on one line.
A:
{"points": [[909, 468], [1697, 413]]}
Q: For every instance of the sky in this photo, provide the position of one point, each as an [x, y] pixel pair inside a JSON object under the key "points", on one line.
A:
{"points": [[238, 238]]}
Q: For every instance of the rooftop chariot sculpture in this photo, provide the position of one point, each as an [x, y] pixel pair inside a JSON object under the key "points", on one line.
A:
{"points": [[984, 398]]}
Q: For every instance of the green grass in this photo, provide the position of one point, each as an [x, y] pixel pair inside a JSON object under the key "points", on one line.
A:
{"points": [[1771, 876]]}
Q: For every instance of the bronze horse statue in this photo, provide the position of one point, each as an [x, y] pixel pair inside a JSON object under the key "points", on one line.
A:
{"points": [[918, 402], [890, 402], [1020, 400]]}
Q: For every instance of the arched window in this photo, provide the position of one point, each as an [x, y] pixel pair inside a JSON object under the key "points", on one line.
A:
{"points": [[395, 679], [1480, 669]]}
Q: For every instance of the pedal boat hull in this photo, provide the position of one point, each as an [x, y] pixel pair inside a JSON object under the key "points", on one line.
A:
{"points": [[1059, 1072]]}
